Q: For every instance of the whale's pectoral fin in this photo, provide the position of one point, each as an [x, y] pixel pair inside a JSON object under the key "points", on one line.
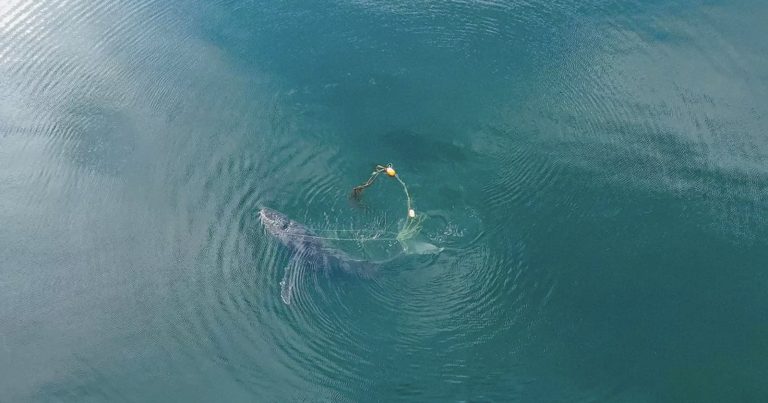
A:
{"points": [[288, 283]]}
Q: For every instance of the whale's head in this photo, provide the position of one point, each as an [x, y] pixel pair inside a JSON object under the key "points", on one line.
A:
{"points": [[274, 221]]}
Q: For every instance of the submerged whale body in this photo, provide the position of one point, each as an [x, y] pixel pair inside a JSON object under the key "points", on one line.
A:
{"points": [[309, 248]]}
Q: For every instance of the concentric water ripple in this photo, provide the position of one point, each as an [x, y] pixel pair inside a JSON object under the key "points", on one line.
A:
{"points": [[592, 174]]}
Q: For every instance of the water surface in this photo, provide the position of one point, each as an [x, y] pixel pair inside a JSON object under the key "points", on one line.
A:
{"points": [[596, 172]]}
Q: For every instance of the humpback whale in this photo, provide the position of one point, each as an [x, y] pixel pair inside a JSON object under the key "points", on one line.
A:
{"points": [[307, 247]]}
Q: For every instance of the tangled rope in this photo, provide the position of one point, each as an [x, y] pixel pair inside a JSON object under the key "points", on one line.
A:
{"points": [[413, 222]]}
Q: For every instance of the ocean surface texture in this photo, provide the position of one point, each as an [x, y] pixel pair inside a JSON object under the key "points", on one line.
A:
{"points": [[593, 176]]}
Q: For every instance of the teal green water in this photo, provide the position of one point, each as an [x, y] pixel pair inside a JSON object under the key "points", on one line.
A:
{"points": [[596, 172]]}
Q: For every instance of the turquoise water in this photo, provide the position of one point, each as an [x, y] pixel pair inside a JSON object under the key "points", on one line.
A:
{"points": [[596, 172]]}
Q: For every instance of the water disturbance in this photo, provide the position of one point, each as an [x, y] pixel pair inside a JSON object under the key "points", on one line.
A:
{"points": [[593, 178]]}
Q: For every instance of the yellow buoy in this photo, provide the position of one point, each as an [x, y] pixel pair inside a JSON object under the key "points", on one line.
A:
{"points": [[413, 222]]}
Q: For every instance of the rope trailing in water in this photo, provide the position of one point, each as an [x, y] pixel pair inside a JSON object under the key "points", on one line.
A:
{"points": [[412, 222], [357, 192]]}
